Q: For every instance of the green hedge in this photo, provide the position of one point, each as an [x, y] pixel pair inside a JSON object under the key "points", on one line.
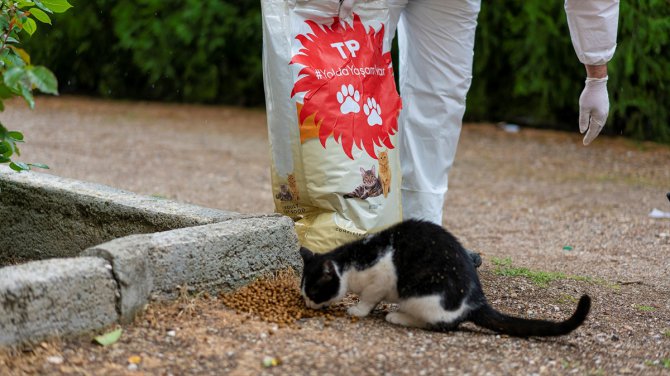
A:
{"points": [[209, 51], [526, 69], [191, 50]]}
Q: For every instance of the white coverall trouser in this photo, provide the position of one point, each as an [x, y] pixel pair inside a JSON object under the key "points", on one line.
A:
{"points": [[436, 42]]}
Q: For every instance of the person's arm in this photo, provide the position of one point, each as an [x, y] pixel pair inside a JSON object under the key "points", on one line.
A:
{"points": [[593, 30]]}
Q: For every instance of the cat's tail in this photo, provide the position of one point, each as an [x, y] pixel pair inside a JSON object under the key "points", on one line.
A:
{"points": [[487, 317]]}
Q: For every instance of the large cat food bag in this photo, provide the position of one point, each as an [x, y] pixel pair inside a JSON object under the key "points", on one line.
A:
{"points": [[332, 110]]}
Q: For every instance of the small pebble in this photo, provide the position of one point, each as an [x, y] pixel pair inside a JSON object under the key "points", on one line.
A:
{"points": [[56, 359], [171, 333], [270, 361]]}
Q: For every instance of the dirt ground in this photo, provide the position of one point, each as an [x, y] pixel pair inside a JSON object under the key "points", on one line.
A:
{"points": [[518, 198]]}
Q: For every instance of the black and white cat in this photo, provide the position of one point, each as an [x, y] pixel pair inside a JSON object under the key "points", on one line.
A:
{"points": [[424, 269]]}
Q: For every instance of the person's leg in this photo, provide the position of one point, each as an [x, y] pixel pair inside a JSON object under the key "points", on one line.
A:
{"points": [[436, 41]]}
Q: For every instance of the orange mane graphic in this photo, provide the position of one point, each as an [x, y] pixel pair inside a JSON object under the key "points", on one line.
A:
{"points": [[348, 85]]}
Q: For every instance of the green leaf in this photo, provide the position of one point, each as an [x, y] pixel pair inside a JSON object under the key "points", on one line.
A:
{"points": [[17, 136], [22, 54], [30, 26], [109, 338], [40, 15], [13, 77], [6, 149], [41, 6], [4, 159], [12, 40], [5, 92], [19, 166], [28, 97], [43, 79], [24, 4], [11, 59], [57, 6], [39, 165]]}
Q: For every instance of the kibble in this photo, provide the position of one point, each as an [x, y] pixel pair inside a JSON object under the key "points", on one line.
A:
{"points": [[276, 299]]}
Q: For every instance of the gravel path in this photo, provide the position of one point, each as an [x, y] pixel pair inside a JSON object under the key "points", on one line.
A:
{"points": [[519, 199]]}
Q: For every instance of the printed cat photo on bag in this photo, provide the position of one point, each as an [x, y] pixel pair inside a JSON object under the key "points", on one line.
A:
{"points": [[284, 193], [384, 172], [371, 186]]}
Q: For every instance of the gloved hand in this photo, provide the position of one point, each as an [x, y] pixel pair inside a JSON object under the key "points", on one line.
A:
{"points": [[594, 105], [346, 7]]}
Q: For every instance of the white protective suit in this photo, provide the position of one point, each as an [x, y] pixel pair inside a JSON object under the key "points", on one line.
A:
{"points": [[436, 41]]}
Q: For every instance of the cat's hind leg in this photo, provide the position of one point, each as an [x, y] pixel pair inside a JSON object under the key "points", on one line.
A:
{"points": [[403, 319], [430, 311]]}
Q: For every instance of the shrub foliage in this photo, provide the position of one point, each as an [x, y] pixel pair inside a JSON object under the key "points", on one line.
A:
{"points": [[191, 50], [19, 76]]}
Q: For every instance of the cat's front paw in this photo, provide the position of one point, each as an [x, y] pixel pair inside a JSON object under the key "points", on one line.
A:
{"points": [[359, 310]]}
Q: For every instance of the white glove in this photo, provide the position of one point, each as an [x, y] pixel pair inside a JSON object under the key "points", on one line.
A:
{"points": [[594, 105], [346, 8]]}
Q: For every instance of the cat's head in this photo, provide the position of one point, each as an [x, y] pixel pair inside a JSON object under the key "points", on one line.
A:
{"points": [[383, 157], [321, 283], [365, 173], [369, 176]]}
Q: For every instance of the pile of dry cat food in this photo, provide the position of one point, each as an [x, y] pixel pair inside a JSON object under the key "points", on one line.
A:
{"points": [[276, 299]]}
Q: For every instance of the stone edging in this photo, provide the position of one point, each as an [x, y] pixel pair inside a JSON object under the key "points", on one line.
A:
{"points": [[111, 281]]}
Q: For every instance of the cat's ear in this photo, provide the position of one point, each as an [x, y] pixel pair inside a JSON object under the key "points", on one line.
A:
{"points": [[373, 169], [329, 269], [362, 171], [306, 254]]}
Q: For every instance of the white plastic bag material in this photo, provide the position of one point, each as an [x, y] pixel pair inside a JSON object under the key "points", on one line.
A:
{"points": [[332, 110]]}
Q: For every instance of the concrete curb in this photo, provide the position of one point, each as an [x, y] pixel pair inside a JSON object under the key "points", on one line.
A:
{"points": [[222, 256], [49, 216], [132, 247], [54, 297]]}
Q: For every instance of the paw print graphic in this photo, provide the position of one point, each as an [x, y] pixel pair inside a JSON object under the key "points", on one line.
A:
{"points": [[373, 112], [348, 98]]}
